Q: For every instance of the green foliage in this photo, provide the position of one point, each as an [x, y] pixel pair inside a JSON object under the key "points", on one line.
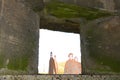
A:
{"points": [[63, 10]]}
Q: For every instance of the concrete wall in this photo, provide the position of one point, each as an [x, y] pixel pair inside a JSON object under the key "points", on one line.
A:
{"points": [[19, 27]]}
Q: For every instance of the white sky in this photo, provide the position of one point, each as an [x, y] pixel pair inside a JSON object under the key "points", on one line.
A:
{"points": [[60, 43]]}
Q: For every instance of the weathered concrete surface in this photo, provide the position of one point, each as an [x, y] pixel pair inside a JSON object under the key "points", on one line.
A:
{"points": [[19, 29], [60, 77], [100, 45]]}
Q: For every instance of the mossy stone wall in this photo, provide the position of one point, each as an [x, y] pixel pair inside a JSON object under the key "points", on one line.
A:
{"points": [[19, 35], [109, 5], [100, 41]]}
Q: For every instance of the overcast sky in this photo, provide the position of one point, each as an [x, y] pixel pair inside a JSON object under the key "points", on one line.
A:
{"points": [[60, 43]]}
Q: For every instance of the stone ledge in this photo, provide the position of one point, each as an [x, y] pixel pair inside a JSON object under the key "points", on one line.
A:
{"points": [[60, 77]]}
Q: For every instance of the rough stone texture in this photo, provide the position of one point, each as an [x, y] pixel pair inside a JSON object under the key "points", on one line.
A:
{"points": [[60, 77], [85, 3], [117, 5], [36, 5], [19, 27], [100, 41], [109, 5], [56, 24]]}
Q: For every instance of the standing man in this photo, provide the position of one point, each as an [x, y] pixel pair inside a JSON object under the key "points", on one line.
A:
{"points": [[68, 69], [52, 69]]}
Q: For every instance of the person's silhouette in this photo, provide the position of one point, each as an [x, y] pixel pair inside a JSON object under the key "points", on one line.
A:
{"points": [[77, 66], [52, 69], [68, 69], [72, 66], [56, 64]]}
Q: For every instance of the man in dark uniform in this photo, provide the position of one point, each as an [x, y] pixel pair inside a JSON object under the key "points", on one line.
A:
{"points": [[52, 69]]}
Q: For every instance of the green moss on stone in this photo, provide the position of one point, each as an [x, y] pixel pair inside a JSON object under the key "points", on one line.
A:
{"points": [[18, 63], [97, 51], [63, 10], [1, 60]]}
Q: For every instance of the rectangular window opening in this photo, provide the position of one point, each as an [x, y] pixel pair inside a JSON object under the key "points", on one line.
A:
{"points": [[59, 52]]}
